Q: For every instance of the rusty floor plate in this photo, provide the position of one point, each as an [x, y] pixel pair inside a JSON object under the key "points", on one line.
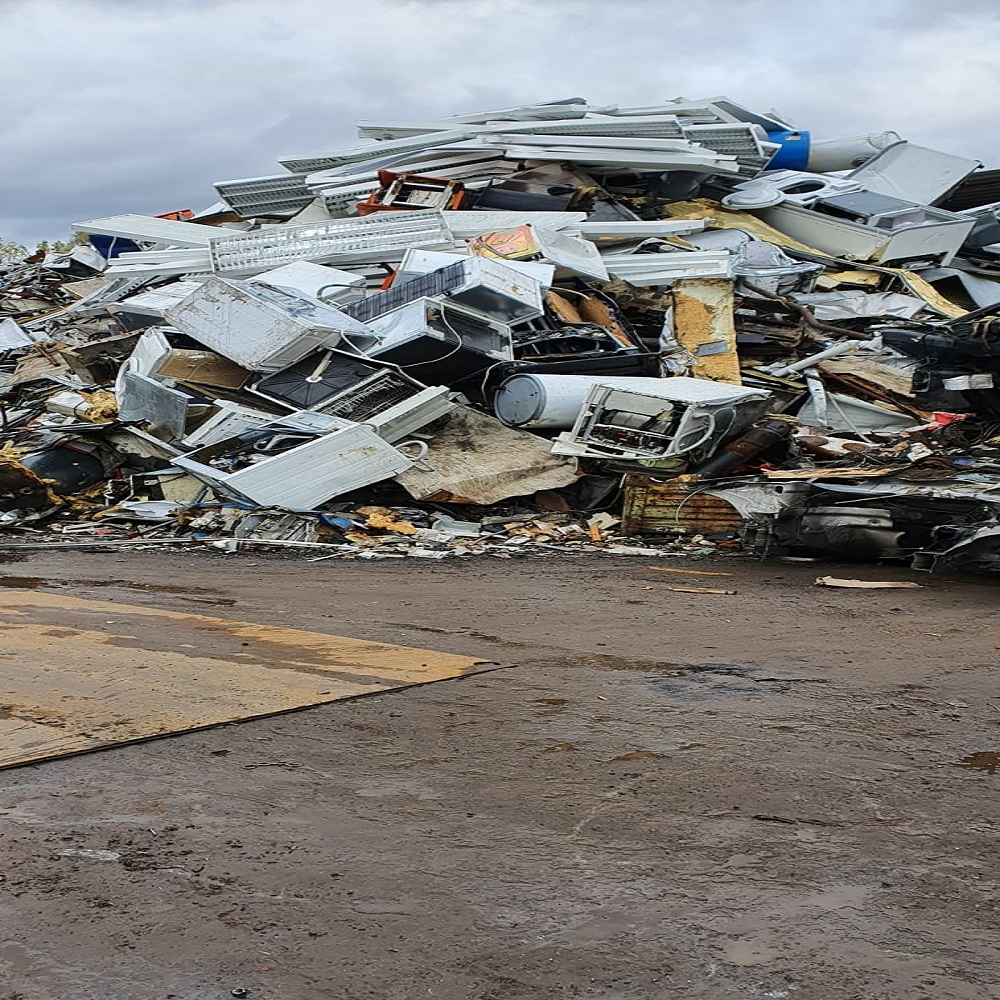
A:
{"points": [[79, 675]]}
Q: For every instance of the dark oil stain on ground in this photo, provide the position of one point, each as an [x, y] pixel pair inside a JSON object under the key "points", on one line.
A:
{"points": [[698, 681], [22, 582], [554, 706], [637, 755], [986, 760]]}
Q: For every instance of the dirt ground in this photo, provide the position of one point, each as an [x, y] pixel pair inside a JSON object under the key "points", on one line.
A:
{"points": [[659, 794]]}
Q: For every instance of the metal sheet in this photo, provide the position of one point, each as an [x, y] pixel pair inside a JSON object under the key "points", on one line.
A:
{"points": [[13, 336], [147, 401], [82, 675], [913, 173]]}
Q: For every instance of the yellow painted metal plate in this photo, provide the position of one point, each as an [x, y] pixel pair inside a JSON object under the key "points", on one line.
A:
{"points": [[79, 675]]}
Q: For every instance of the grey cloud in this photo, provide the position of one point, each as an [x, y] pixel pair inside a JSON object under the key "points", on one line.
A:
{"points": [[128, 105]]}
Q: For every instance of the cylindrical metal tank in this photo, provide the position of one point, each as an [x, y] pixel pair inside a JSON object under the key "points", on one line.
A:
{"points": [[552, 402], [845, 154]]}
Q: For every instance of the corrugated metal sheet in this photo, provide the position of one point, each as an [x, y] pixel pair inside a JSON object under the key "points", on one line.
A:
{"points": [[980, 188]]}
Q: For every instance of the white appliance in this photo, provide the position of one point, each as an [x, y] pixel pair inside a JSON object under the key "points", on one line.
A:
{"points": [[345, 457], [259, 326], [478, 284], [678, 417]]}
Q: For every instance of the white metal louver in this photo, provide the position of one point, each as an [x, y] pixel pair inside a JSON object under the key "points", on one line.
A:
{"points": [[383, 236], [265, 195]]}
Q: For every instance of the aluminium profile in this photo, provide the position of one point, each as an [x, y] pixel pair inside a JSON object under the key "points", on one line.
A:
{"points": [[530, 112], [703, 161], [649, 144], [567, 109], [343, 201], [148, 229], [664, 126], [168, 254], [743, 141], [164, 269], [643, 230], [389, 131], [456, 166], [405, 162], [466, 224], [653, 126], [662, 268], [320, 180], [723, 109], [369, 151]]}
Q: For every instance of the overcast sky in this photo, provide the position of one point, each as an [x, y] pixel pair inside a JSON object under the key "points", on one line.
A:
{"points": [[113, 106]]}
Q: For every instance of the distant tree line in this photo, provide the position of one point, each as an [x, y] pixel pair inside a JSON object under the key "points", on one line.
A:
{"points": [[11, 253]]}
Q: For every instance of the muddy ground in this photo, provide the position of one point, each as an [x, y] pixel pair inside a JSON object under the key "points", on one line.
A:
{"points": [[660, 794]]}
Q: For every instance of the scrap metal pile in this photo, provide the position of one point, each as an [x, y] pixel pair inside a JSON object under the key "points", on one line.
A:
{"points": [[558, 327]]}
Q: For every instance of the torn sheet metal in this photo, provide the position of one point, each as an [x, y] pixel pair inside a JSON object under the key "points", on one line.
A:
{"points": [[845, 413], [13, 336], [153, 405], [855, 304], [767, 266], [473, 458], [71, 683], [871, 372], [921, 395]]}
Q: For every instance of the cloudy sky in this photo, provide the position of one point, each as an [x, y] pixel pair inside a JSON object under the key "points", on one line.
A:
{"points": [[139, 105]]}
